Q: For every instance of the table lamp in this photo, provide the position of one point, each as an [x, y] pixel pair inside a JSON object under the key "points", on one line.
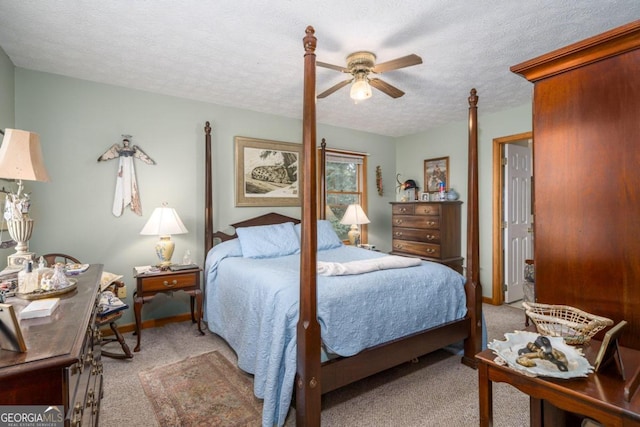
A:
{"points": [[164, 222], [20, 158], [354, 216]]}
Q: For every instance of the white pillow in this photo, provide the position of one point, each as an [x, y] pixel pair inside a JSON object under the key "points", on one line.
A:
{"points": [[268, 241]]}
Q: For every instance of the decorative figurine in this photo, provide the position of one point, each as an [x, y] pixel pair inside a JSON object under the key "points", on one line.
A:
{"points": [[126, 185]]}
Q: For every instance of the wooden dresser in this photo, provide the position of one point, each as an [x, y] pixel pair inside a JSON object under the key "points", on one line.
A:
{"points": [[62, 363], [586, 104], [429, 230]]}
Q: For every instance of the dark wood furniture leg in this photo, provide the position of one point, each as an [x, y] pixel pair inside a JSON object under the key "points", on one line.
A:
{"points": [[117, 338], [197, 314], [485, 394], [137, 309]]}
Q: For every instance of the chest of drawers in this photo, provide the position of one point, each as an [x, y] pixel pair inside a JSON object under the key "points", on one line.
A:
{"points": [[62, 365], [429, 230]]}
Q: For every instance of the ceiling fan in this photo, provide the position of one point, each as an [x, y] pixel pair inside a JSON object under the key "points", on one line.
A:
{"points": [[360, 65]]}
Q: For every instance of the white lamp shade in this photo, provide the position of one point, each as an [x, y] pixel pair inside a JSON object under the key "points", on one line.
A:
{"points": [[354, 215], [164, 221], [21, 156]]}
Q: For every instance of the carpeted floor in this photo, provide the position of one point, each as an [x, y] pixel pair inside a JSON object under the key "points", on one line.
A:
{"points": [[436, 391], [202, 390]]}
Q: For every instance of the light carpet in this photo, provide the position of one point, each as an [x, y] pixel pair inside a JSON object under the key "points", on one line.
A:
{"points": [[436, 391]]}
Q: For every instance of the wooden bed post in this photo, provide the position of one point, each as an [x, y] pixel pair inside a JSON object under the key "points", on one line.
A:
{"points": [[322, 212], [208, 202], [473, 344], [308, 388]]}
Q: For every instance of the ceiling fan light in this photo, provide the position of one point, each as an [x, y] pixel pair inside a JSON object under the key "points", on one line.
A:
{"points": [[360, 90]]}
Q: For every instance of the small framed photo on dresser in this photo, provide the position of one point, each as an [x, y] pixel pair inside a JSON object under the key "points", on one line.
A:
{"points": [[424, 197], [10, 332]]}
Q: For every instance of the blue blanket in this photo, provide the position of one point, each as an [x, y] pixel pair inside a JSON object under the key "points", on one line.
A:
{"points": [[253, 305]]}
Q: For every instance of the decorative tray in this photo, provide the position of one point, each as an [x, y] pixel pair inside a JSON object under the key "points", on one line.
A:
{"points": [[73, 284], [578, 365]]}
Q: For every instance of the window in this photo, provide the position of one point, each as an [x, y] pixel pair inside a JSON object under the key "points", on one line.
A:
{"points": [[346, 175]]}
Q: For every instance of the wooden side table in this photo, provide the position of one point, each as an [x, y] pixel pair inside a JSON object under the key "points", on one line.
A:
{"points": [[148, 285], [599, 396]]}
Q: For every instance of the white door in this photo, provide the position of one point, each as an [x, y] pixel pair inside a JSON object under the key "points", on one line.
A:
{"points": [[518, 237]]}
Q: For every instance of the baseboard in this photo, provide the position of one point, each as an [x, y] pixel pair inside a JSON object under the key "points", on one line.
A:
{"points": [[151, 323]]}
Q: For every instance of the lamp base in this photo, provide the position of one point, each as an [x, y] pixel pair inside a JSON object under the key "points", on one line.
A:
{"points": [[354, 235], [164, 250], [19, 259]]}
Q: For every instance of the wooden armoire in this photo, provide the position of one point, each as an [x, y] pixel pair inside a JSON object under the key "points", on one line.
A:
{"points": [[586, 128]]}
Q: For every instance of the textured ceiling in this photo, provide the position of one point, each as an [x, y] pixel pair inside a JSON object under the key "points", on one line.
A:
{"points": [[248, 53]]}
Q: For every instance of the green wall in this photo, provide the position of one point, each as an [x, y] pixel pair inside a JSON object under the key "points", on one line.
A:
{"points": [[7, 90], [79, 120], [452, 141]]}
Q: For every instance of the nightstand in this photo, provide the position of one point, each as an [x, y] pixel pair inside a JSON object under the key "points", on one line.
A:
{"points": [[150, 284]]}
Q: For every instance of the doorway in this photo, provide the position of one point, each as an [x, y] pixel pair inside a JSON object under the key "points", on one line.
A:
{"points": [[513, 230]]}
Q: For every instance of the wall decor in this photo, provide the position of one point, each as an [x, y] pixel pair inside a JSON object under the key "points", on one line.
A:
{"points": [[379, 180], [126, 193], [267, 172], [436, 171]]}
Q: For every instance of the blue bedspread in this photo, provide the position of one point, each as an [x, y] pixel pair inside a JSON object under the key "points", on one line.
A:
{"points": [[253, 305]]}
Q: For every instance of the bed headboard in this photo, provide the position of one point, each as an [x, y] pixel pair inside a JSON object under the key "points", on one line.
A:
{"points": [[266, 219]]}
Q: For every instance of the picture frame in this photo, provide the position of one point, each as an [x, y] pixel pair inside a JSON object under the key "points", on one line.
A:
{"points": [[424, 196], [436, 170], [10, 333], [608, 351], [267, 172]]}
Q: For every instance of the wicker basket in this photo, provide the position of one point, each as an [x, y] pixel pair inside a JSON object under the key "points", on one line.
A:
{"points": [[574, 325]]}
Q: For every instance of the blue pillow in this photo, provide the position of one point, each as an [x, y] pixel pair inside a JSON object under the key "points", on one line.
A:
{"points": [[268, 241], [326, 235]]}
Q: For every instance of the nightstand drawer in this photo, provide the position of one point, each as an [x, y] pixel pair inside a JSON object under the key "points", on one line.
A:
{"points": [[172, 282]]}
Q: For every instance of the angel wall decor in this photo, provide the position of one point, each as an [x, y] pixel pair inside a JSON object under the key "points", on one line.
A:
{"points": [[126, 185]]}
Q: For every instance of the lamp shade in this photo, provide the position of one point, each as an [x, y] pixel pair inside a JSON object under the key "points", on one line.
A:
{"points": [[354, 215], [21, 156], [164, 221]]}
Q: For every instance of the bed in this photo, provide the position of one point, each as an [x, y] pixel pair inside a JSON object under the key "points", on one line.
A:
{"points": [[279, 339]]}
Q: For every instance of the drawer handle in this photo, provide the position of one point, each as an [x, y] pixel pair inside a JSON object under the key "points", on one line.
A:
{"points": [[431, 222], [430, 237], [398, 246], [403, 210], [431, 251], [426, 211], [398, 221], [398, 233], [173, 283]]}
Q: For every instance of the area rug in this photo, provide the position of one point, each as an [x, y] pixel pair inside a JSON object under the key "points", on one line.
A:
{"points": [[205, 390]]}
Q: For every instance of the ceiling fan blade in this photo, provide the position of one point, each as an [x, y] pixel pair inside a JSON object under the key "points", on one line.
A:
{"points": [[331, 66], [405, 61], [385, 87], [334, 88]]}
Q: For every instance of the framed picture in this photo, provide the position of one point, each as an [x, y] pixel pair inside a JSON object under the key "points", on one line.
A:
{"points": [[609, 349], [10, 332], [424, 197], [267, 172], [435, 172]]}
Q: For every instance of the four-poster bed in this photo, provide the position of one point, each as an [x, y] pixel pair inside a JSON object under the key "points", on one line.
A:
{"points": [[314, 376]]}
